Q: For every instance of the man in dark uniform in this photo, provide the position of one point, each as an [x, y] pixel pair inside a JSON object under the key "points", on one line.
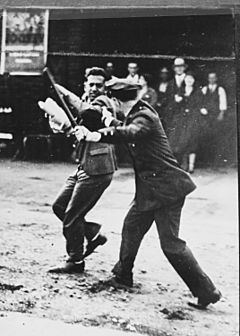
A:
{"points": [[161, 188], [86, 185]]}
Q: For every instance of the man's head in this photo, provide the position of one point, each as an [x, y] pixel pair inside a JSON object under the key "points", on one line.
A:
{"points": [[95, 83], [212, 78], [132, 68], [124, 90], [164, 74], [109, 69], [179, 66]]}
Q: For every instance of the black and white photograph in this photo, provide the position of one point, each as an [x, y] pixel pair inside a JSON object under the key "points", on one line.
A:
{"points": [[119, 167]]}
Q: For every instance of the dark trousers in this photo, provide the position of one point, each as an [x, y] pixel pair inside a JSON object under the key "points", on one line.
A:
{"points": [[137, 224], [74, 201]]}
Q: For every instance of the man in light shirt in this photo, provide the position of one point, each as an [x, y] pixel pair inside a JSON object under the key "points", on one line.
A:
{"points": [[215, 107], [215, 98], [136, 79]]}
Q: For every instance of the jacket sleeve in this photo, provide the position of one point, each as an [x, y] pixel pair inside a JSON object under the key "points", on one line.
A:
{"points": [[139, 129]]}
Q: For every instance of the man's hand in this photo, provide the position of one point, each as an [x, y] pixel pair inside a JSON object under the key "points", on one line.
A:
{"points": [[178, 98], [107, 117], [203, 111], [82, 133]]}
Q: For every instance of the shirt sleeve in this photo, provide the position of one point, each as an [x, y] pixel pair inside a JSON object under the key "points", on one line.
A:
{"points": [[139, 129], [204, 90], [222, 99]]}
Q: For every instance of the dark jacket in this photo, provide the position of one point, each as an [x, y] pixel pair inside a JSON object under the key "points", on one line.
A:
{"points": [[172, 108], [96, 158], [159, 179]]}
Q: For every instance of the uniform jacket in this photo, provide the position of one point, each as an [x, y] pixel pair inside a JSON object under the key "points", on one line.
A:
{"points": [[159, 179]]}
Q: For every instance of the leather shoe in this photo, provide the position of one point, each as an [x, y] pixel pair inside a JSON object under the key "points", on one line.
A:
{"points": [[213, 298], [122, 282], [93, 244], [69, 267], [203, 302]]}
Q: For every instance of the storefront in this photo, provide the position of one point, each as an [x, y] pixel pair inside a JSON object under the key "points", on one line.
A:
{"points": [[152, 33]]}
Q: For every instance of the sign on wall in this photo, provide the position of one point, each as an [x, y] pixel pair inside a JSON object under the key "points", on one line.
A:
{"points": [[24, 41]]}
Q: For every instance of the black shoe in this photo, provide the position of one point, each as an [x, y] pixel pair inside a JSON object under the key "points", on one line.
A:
{"points": [[93, 244], [205, 301], [69, 267], [122, 282]]}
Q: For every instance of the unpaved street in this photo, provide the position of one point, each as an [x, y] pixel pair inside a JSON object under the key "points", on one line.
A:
{"points": [[31, 242]]}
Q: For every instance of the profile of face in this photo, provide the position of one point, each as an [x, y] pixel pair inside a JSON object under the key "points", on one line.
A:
{"points": [[189, 80], [212, 78], [132, 69], [95, 86], [179, 70]]}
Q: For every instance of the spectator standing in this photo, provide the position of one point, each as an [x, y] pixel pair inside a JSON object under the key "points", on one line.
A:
{"points": [[185, 137], [215, 104], [175, 93], [150, 96], [109, 69], [135, 78], [162, 93]]}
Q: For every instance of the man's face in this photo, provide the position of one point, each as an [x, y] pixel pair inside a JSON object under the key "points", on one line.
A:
{"points": [[109, 68], [132, 69], [212, 78], [164, 76], [95, 86], [179, 70]]}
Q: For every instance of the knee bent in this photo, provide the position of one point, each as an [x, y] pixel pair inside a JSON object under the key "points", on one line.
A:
{"points": [[57, 210]]}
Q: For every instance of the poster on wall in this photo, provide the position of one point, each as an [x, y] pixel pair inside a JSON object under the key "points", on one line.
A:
{"points": [[24, 41]]}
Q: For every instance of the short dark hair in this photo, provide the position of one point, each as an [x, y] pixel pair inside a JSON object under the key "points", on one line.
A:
{"points": [[95, 71]]}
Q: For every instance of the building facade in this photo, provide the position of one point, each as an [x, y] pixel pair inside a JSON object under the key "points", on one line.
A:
{"points": [[152, 33]]}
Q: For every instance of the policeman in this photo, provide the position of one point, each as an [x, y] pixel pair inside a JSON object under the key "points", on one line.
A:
{"points": [[161, 188]]}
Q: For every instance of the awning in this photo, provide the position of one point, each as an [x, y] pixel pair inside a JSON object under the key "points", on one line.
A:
{"points": [[122, 8]]}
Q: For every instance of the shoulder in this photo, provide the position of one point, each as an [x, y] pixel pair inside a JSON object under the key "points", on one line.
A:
{"points": [[144, 111], [103, 100]]}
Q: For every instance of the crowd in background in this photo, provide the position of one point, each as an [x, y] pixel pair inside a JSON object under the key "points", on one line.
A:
{"points": [[191, 114]]}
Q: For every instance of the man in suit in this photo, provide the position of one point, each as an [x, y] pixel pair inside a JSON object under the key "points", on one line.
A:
{"points": [[162, 93], [174, 94], [86, 185], [161, 188]]}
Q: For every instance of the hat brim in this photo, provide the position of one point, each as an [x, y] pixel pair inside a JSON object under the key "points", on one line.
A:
{"points": [[180, 65]]}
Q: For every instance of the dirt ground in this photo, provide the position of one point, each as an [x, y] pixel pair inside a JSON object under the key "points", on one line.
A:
{"points": [[31, 242]]}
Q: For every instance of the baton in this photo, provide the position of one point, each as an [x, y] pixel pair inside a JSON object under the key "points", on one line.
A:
{"points": [[64, 106]]}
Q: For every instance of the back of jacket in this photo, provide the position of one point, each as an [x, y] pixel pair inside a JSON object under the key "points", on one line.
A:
{"points": [[159, 179]]}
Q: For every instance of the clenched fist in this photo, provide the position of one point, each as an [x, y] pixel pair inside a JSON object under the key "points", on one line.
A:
{"points": [[82, 133]]}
